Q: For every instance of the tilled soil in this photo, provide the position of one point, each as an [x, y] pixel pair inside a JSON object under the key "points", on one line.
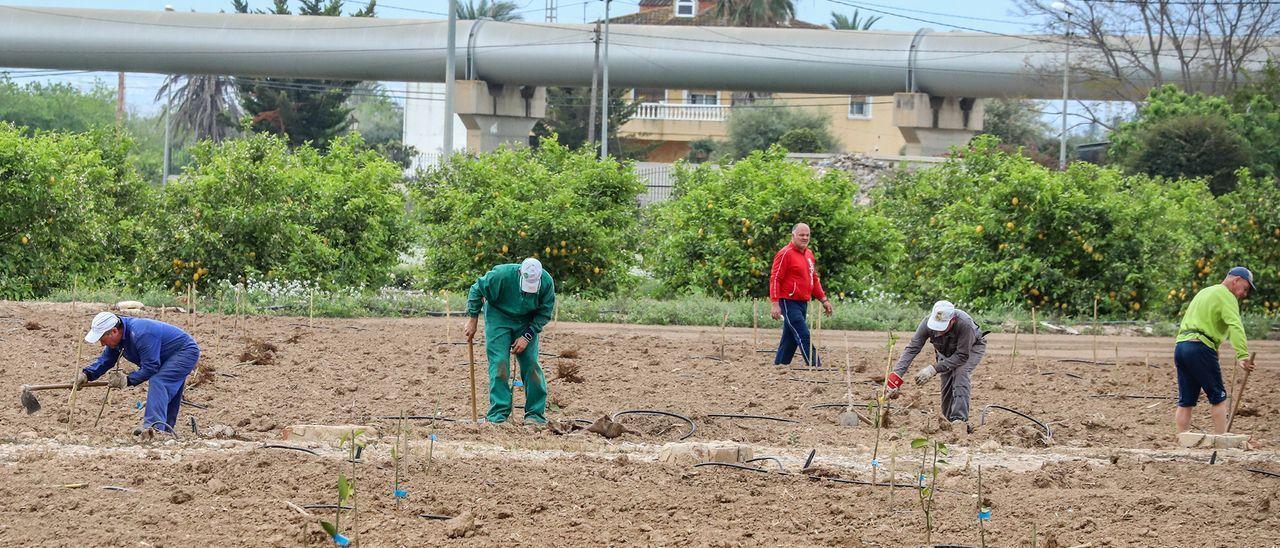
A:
{"points": [[1110, 475]]}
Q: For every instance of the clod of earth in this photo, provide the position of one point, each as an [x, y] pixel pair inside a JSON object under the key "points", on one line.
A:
{"points": [[32, 325], [607, 428], [180, 497], [460, 526], [569, 372], [571, 353], [258, 352]]}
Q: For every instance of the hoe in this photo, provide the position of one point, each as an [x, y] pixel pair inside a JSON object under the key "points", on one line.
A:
{"points": [[28, 397]]}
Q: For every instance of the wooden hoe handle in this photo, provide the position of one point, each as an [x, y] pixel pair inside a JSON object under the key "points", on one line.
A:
{"points": [[60, 386]]}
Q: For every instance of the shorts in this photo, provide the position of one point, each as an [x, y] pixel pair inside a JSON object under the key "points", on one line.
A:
{"points": [[1198, 370]]}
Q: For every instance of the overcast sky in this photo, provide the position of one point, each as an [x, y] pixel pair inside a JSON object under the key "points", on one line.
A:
{"points": [[982, 15]]}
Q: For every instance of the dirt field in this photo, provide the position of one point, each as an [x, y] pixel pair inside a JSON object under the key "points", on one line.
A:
{"points": [[1110, 476]]}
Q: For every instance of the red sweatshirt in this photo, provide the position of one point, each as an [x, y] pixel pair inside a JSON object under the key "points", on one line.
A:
{"points": [[794, 277]]}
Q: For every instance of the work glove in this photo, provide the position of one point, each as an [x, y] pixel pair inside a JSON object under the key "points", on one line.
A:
{"points": [[925, 374], [116, 379], [80, 380], [894, 382]]}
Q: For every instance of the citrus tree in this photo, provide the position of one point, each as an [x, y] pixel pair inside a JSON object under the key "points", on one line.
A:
{"points": [[574, 212], [992, 228], [68, 207], [1248, 223], [721, 229], [253, 208]]}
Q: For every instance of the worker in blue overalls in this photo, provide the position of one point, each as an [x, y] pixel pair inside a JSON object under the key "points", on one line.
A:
{"points": [[165, 356]]}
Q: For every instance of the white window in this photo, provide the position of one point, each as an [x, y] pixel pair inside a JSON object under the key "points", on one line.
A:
{"points": [[860, 106], [686, 8], [702, 97]]}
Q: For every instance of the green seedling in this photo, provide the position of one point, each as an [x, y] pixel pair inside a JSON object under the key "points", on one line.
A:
{"points": [[984, 512], [930, 453], [345, 492], [880, 414], [397, 455], [355, 447]]}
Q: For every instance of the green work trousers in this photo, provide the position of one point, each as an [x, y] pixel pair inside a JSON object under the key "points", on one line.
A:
{"points": [[497, 342]]}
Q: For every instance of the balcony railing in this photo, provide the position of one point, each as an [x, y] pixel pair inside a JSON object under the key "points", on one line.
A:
{"points": [[695, 113]]}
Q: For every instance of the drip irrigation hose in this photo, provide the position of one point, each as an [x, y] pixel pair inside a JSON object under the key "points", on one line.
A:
{"points": [[289, 447], [774, 459], [435, 516], [817, 381], [844, 404], [737, 466], [417, 418], [325, 507], [1131, 396], [742, 416], [982, 418], [1091, 362], [1069, 374], [809, 460], [583, 421], [1264, 472], [692, 427], [194, 404], [819, 368]]}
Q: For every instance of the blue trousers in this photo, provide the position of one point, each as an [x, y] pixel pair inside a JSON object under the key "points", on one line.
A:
{"points": [[795, 333], [164, 389]]}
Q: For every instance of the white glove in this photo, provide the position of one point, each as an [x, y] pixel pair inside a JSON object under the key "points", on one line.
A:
{"points": [[925, 374], [117, 379]]}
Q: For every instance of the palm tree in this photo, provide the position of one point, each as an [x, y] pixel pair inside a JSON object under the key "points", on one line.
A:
{"points": [[840, 22], [203, 104], [499, 10], [755, 13]]}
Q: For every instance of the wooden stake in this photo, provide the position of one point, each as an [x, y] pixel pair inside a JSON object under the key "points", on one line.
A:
{"points": [[471, 359], [817, 337], [71, 417], [75, 294], [755, 324], [105, 398], [1035, 337], [448, 319], [191, 306], [893, 468], [724, 319], [1014, 353], [1095, 328], [311, 309]]}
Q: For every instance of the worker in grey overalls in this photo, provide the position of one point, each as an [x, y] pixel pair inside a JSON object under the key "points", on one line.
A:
{"points": [[960, 347]]}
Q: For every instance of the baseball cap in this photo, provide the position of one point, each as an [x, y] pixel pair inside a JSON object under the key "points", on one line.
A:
{"points": [[530, 275], [1243, 273], [102, 323], [941, 316]]}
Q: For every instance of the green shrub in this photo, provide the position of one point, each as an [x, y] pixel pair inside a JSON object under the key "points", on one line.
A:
{"points": [[574, 212], [721, 230], [251, 208], [802, 139], [68, 205], [703, 150], [760, 126], [992, 229]]}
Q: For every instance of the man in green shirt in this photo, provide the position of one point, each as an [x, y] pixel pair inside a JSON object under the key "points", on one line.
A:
{"points": [[1212, 316], [518, 301]]}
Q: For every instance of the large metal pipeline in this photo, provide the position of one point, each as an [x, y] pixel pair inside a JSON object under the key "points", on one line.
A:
{"points": [[950, 64]]}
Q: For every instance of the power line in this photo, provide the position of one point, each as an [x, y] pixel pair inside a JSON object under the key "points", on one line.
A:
{"points": [[972, 18], [82, 17]]}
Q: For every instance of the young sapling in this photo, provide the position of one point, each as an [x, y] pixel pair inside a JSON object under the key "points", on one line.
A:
{"points": [[930, 451]]}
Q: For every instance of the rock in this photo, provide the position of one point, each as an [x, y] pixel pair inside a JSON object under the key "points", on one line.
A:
{"points": [[864, 171], [688, 453], [1224, 441], [220, 431], [128, 305], [180, 497], [217, 486], [850, 419], [459, 527], [990, 445]]}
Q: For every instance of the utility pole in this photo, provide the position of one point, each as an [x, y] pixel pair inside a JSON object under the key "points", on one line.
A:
{"points": [[553, 11], [604, 97], [595, 75], [1066, 82], [120, 99], [450, 68], [168, 135]]}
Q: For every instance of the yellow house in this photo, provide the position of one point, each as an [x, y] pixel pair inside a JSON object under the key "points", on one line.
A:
{"points": [[669, 119]]}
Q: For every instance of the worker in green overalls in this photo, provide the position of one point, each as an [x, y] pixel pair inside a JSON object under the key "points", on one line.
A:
{"points": [[519, 300]]}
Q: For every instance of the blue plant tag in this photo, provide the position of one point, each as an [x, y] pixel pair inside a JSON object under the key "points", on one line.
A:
{"points": [[518, 383], [341, 540], [984, 514], [402, 494], [875, 463], [432, 437], [137, 405], [921, 480]]}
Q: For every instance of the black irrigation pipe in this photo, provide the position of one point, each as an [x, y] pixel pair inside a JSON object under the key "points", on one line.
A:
{"points": [[843, 404], [229, 375], [325, 507], [416, 418], [1132, 396], [439, 314], [1264, 472], [435, 516], [774, 459], [982, 418], [818, 368], [1069, 374], [290, 447], [193, 404], [812, 477], [692, 426], [742, 416], [817, 381], [1092, 362]]}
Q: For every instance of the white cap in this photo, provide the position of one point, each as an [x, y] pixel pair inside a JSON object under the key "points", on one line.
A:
{"points": [[941, 316], [102, 323], [530, 275]]}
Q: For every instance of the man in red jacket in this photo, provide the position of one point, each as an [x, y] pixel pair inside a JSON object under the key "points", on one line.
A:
{"points": [[793, 282]]}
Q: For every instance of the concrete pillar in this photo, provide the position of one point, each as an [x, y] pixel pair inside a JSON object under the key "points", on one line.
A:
{"points": [[497, 115], [932, 125]]}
